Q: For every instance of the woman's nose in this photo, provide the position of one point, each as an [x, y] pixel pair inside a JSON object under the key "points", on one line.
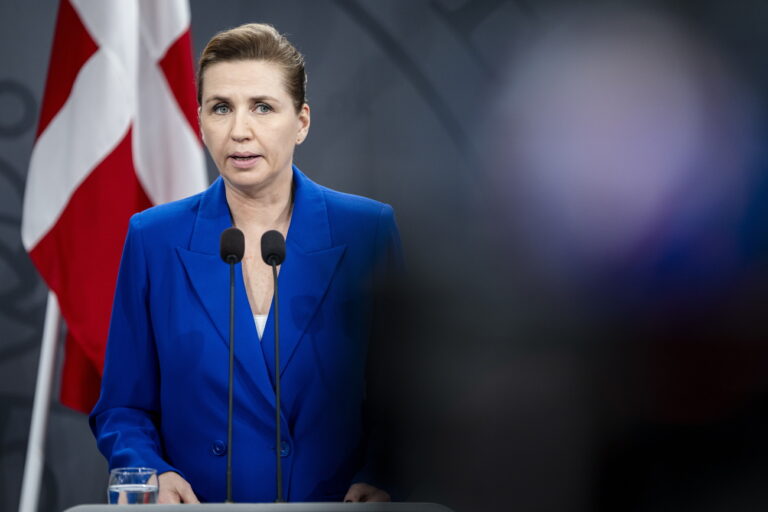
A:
{"points": [[241, 127]]}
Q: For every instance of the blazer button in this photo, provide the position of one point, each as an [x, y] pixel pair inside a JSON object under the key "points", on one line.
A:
{"points": [[285, 448], [219, 447]]}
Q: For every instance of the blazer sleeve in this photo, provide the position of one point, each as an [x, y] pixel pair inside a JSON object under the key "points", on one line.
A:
{"points": [[125, 419], [389, 270]]}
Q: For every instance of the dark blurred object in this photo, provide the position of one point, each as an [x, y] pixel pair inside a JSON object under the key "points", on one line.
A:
{"points": [[627, 166]]}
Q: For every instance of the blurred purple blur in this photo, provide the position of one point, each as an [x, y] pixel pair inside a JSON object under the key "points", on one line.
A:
{"points": [[625, 160], [623, 137]]}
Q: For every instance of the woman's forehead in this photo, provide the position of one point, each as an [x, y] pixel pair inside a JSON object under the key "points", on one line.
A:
{"points": [[253, 77]]}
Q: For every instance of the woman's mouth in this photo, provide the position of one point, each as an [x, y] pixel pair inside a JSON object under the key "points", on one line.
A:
{"points": [[244, 160]]}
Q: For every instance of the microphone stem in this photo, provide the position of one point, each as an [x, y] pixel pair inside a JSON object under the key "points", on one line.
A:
{"points": [[231, 376], [278, 441]]}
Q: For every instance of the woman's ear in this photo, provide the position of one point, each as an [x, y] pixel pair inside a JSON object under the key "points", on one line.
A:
{"points": [[304, 122], [200, 123]]}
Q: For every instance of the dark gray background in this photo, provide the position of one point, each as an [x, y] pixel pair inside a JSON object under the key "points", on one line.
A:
{"points": [[514, 391]]}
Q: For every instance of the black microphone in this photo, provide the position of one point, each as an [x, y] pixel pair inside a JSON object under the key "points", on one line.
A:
{"points": [[273, 253], [273, 247], [231, 248]]}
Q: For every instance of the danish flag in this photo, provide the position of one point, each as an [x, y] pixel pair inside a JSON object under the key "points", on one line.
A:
{"points": [[117, 133]]}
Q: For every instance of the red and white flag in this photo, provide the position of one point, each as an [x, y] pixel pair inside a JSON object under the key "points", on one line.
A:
{"points": [[118, 133]]}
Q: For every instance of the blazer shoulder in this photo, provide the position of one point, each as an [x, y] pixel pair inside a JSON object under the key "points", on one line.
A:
{"points": [[168, 221], [359, 220], [344, 204]]}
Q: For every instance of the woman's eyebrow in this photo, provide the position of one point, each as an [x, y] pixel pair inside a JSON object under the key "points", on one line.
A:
{"points": [[253, 99], [271, 99], [217, 98]]}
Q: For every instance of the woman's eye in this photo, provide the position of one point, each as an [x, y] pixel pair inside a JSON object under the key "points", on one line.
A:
{"points": [[221, 108], [263, 108]]}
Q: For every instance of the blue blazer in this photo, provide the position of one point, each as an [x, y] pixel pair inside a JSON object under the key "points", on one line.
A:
{"points": [[164, 391]]}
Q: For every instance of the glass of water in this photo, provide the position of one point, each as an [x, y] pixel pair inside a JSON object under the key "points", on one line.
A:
{"points": [[131, 486]]}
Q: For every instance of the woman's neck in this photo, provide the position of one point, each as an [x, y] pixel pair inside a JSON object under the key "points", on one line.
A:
{"points": [[263, 210]]}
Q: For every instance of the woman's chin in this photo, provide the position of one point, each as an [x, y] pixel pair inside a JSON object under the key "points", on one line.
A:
{"points": [[249, 184]]}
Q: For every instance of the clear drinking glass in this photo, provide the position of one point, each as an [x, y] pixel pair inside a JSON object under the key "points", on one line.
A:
{"points": [[131, 486]]}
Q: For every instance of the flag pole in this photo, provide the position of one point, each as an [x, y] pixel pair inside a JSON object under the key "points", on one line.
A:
{"points": [[33, 465]]}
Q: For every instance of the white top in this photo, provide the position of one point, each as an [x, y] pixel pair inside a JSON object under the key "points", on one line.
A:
{"points": [[261, 322]]}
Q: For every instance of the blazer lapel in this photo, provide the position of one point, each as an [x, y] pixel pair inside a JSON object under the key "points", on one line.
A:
{"points": [[210, 280], [310, 263]]}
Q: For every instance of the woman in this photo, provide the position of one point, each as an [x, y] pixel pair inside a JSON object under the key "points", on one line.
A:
{"points": [[164, 392]]}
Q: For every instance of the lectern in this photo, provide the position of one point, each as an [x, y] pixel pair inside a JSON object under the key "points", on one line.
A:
{"points": [[268, 507]]}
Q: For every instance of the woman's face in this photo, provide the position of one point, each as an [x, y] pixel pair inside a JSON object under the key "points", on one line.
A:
{"points": [[249, 123]]}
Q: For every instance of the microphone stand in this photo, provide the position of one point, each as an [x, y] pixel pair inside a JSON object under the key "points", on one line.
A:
{"points": [[278, 441], [231, 260]]}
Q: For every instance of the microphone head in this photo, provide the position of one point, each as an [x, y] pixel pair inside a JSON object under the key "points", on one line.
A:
{"points": [[273, 247], [232, 246]]}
